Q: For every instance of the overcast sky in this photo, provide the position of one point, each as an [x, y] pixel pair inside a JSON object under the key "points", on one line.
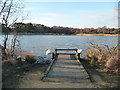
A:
{"points": [[72, 14]]}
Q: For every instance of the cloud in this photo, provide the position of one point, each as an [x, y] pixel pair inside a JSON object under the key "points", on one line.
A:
{"points": [[108, 18], [85, 18], [78, 19], [43, 20], [49, 19]]}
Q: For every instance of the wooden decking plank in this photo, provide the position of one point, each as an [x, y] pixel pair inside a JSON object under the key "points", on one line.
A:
{"points": [[67, 69]]}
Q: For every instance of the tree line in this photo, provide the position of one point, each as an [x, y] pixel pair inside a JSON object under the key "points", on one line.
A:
{"points": [[40, 28]]}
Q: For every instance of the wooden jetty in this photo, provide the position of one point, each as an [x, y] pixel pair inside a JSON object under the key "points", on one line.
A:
{"points": [[66, 67]]}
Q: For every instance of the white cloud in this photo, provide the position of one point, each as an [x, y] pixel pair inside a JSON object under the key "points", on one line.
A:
{"points": [[43, 20], [49, 19], [108, 18], [82, 18], [94, 19]]}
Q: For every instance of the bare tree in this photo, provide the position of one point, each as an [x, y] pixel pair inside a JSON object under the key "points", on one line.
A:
{"points": [[9, 10]]}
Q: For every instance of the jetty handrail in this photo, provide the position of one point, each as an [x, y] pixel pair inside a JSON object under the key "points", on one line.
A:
{"points": [[76, 51], [66, 48]]}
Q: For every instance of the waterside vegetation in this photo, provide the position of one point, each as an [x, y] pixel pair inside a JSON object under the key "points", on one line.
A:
{"points": [[29, 28], [104, 57]]}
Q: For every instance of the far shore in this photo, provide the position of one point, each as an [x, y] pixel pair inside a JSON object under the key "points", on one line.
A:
{"points": [[98, 34], [65, 34]]}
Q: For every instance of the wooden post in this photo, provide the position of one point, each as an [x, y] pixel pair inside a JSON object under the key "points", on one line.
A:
{"points": [[55, 51], [78, 56], [78, 53], [76, 50], [53, 56]]}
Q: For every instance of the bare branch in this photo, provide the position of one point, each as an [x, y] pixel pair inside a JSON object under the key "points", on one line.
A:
{"points": [[3, 7]]}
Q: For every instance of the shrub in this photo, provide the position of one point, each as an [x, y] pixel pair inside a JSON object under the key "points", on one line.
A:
{"points": [[104, 57]]}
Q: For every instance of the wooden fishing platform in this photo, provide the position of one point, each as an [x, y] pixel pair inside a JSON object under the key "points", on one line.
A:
{"points": [[66, 67]]}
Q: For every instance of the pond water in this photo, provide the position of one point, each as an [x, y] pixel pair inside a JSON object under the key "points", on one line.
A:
{"points": [[38, 44]]}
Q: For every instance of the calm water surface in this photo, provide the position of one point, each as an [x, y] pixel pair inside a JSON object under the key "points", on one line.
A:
{"points": [[38, 44]]}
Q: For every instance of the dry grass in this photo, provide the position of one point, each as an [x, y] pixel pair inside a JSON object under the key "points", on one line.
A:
{"points": [[104, 57], [98, 34], [30, 57]]}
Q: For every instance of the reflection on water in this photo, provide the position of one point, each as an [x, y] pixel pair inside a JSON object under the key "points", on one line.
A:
{"points": [[40, 43]]}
